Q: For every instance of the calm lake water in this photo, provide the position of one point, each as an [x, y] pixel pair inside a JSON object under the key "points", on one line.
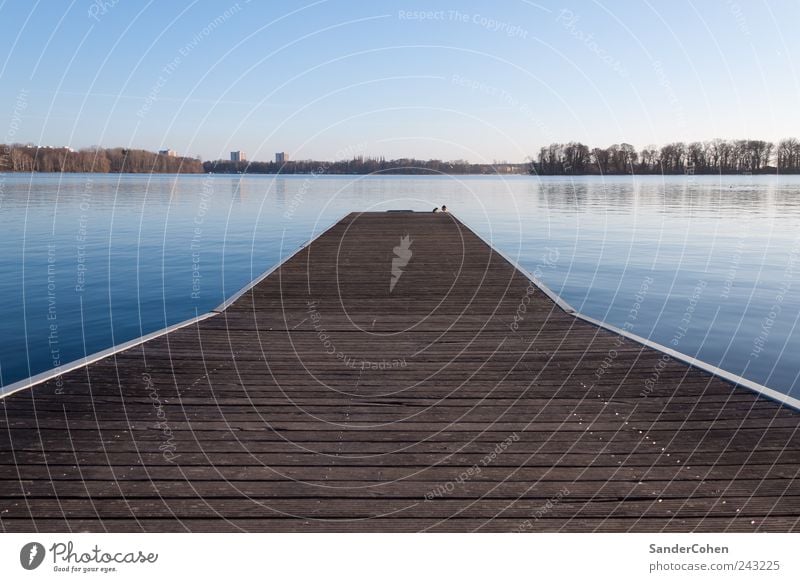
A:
{"points": [[90, 261]]}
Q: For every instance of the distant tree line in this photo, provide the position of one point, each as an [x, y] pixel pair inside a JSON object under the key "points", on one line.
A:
{"points": [[362, 165], [717, 156], [25, 158]]}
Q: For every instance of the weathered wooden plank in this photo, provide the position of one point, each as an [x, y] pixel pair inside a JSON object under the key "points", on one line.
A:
{"points": [[334, 508]]}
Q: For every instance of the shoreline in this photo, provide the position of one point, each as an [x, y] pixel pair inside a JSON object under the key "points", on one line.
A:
{"points": [[404, 173]]}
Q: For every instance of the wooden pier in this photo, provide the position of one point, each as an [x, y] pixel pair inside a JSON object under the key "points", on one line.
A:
{"points": [[396, 374]]}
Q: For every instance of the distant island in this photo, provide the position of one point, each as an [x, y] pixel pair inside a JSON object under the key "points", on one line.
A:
{"points": [[717, 156]]}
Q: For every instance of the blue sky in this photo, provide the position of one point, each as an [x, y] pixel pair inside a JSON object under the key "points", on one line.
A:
{"points": [[450, 79]]}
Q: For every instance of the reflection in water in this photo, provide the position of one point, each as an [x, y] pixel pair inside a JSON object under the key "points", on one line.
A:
{"points": [[280, 191], [722, 253]]}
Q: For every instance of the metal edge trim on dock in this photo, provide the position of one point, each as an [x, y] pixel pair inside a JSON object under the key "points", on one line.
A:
{"points": [[91, 358], [735, 379]]}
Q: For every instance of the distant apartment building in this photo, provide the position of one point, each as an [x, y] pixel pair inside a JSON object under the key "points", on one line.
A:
{"points": [[238, 156], [280, 158], [169, 153]]}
